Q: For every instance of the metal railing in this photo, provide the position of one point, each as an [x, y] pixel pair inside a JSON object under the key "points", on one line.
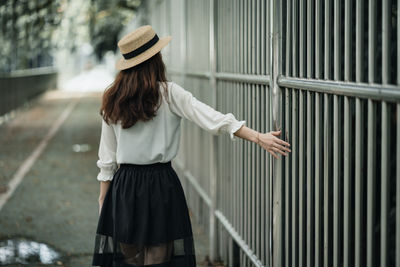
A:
{"points": [[327, 74], [18, 87]]}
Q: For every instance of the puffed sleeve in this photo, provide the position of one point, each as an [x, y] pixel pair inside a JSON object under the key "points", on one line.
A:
{"points": [[107, 153], [185, 105]]}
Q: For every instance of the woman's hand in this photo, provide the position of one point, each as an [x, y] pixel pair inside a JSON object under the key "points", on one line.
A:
{"points": [[104, 185], [101, 200], [270, 142]]}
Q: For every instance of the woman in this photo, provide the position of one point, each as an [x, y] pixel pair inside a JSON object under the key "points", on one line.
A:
{"points": [[144, 218]]}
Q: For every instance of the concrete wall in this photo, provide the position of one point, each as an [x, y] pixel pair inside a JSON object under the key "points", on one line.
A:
{"points": [[18, 87]]}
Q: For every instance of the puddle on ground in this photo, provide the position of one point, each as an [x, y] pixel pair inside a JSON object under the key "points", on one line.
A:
{"points": [[81, 148], [24, 251]]}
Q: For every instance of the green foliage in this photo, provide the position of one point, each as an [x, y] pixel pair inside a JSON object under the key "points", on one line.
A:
{"points": [[107, 19], [26, 30], [32, 30]]}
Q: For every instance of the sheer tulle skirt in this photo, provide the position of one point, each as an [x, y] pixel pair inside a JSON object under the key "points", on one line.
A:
{"points": [[144, 220]]}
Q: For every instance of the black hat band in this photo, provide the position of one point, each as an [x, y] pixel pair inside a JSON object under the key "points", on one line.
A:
{"points": [[141, 49]]}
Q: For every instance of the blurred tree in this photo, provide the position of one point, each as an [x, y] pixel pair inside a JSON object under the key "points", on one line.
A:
{"points": [[107, 19], [31, 30], [26, 30]]}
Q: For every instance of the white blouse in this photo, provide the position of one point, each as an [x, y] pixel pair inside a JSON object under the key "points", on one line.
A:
{"points": [[158, 140]]}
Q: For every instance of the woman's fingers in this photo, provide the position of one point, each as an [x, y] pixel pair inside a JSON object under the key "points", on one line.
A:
{"points": [[282, 147], [277, 150], [273, 154], [283, 142]]}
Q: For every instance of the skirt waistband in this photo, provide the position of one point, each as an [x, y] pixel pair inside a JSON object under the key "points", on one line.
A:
{"points": [[156, 165]]}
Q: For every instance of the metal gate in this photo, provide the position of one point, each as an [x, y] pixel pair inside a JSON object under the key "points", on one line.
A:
{"points": [[325, 72]]}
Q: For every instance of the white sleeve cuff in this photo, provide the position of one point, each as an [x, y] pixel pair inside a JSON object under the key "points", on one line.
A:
{"points": [[107, 170], [235, 127], [105, 176]]}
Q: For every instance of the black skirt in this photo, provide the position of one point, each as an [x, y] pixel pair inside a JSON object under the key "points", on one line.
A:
{"points": [[144, 220]]}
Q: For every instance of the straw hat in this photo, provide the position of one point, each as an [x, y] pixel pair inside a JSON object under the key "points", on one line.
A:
{"points": [[139, 45]]}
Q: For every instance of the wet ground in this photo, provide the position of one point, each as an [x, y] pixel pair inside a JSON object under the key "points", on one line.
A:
{"points": [[55, 202]]}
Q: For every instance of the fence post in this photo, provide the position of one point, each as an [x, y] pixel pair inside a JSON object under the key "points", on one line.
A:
{"points": [[213, 142], [275, 69]]}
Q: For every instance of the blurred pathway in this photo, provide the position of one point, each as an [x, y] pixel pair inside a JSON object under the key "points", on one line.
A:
{"points": [[56, 201]]}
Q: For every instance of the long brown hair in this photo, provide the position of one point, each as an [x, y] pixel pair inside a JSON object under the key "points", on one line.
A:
{"points": [[134, 95]]}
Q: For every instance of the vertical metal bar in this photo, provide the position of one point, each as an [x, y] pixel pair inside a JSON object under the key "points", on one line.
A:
{"points": [[327, 178], [347, 41], [295, 178], [327, 43], [287, 181], [318, 178], [302, 73], [336, 182], [248, 162], [263, 37], [253, 167], [347, 175], [372, 36], [249, 40], [213, 139], [240, 96], [288, 136], [386, 17], [268, 120], [263, 182], [258, 176], [337, 40], [386, 61], [183, 62], [249, 108], [310, 43], [245, 64], [384, 183], [398, 175], [302, 45], [275, 27], [267, 32], [253, 145], [285, 136], [398, 147], [371, 182], [346, 183], [318, 39], [359, 39], [398, 55], [310, 181], [288, 56], [359, 148], [245, 37], [230, 248], [236, 105], [359, 184], [336, 144], [301, 178], [295, 37], [318, 135], [242, 167], [268, 182], [257, 40], [371, 134]]}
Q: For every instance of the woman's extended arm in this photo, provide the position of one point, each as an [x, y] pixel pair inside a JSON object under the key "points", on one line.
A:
{"points": [[186, 105], [107, 159], [269, 141]]}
